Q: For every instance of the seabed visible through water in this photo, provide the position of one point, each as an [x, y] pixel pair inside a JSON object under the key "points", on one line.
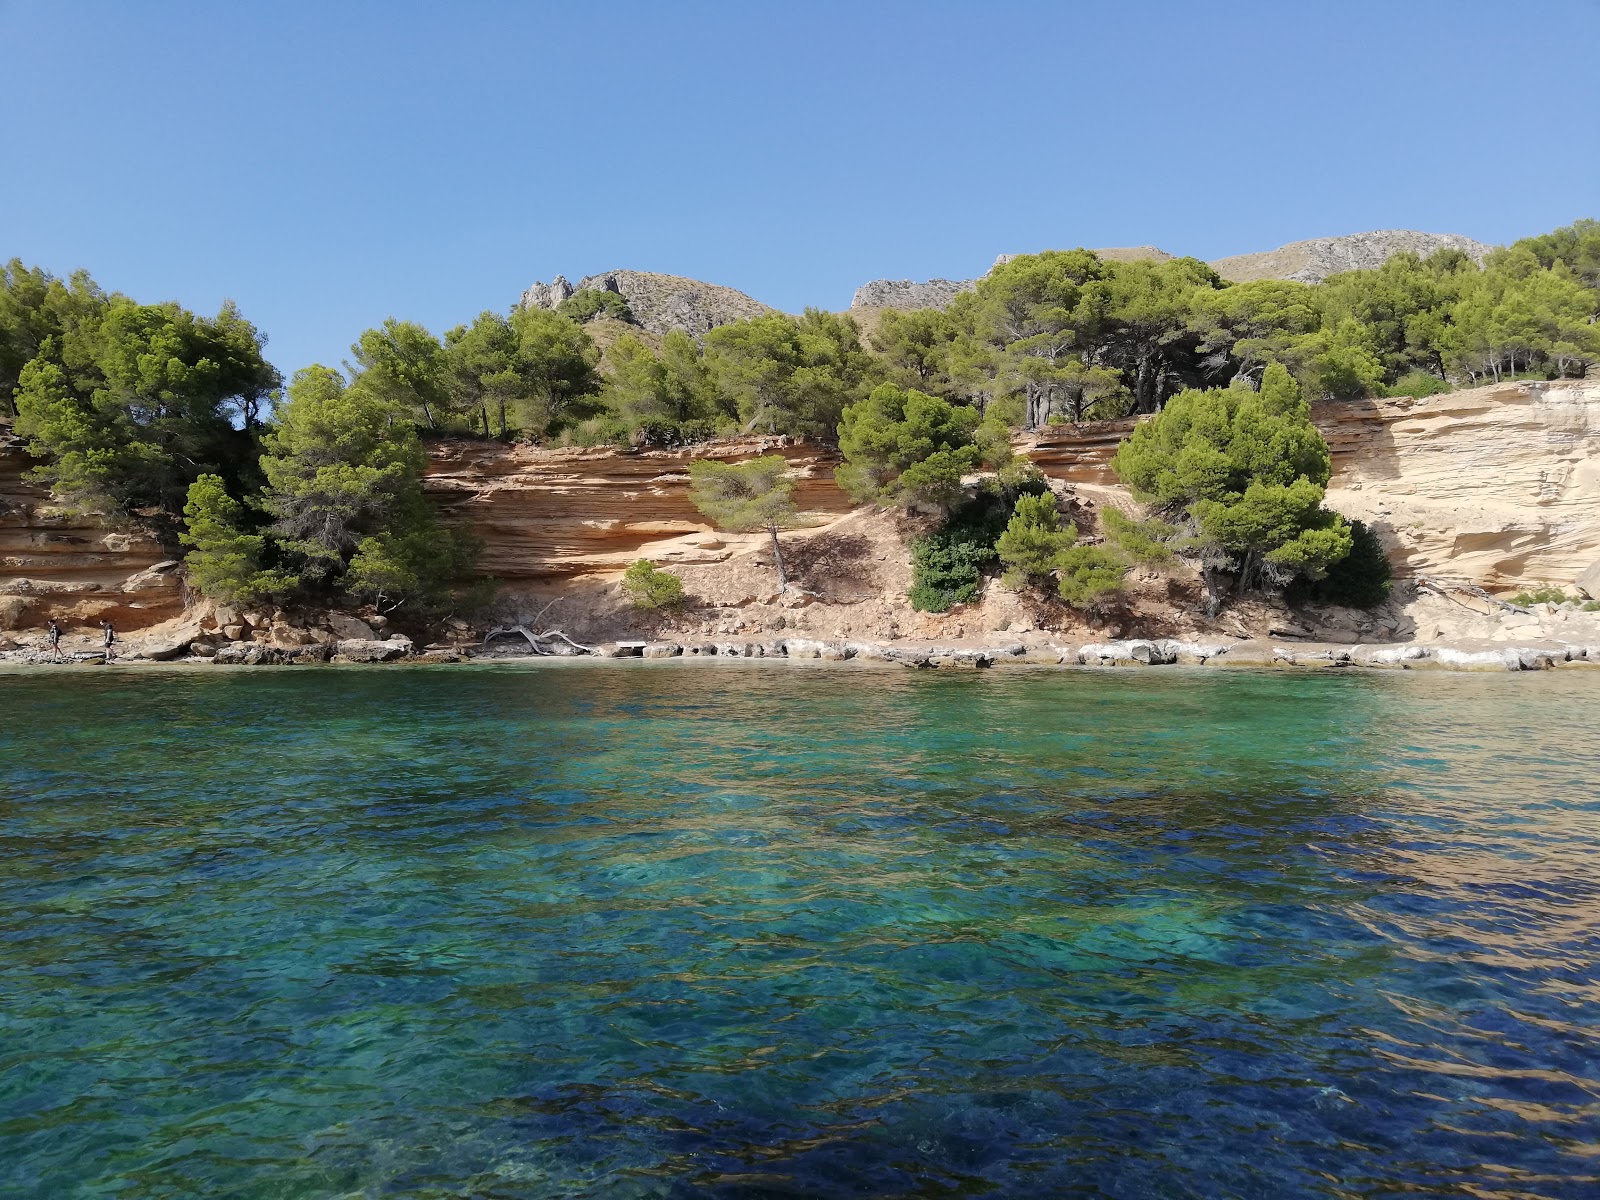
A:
{"points": [[653, 932]]}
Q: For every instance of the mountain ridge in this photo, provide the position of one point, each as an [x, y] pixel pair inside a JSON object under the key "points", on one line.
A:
{"points": [[661, 303]]}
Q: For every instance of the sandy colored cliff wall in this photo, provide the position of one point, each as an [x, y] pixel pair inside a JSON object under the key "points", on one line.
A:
{"points": [[77, 569], [552, 513], [1498, 486]]}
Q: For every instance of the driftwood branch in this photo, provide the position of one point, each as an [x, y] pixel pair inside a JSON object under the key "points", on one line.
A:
{"points": [[536, 640], [1477, 593]]}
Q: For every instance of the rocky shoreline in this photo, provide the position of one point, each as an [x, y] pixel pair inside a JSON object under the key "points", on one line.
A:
{"points": [[1133, 652]]}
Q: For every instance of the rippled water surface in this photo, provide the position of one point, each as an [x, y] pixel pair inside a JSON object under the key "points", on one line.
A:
{"points": [[694, 930]]}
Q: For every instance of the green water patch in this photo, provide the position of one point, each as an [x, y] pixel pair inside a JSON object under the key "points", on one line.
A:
{"points": [[675, 930]]}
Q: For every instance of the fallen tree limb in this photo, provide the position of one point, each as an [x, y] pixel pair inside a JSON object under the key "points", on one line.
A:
{"points": [[1470, 589], [536, 640]]}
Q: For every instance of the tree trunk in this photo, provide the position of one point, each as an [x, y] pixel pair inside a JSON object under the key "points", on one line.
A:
{"points": [[777, 559], [1144, 402], [1213, 590]]}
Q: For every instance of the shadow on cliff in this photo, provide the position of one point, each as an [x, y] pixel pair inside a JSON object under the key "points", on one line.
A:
{"points": [[839, 567], [1359, 429]]}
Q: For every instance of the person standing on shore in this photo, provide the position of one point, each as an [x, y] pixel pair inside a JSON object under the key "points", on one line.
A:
{"points": [[110, 636], [52, 635]]}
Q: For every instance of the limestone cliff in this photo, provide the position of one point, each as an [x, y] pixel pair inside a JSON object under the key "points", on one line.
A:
{"points": [[78, 569], [1314, 260], [1497, 487], [551, 513], [660, 303]]}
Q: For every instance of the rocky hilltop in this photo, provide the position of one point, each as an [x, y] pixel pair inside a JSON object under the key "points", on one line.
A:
{"points": [[1314, 260], [1307, 262], [660, 303], [906, 294]]}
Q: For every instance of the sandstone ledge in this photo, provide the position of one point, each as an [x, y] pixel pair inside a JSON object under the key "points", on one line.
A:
{"points": [[1129, 653]]}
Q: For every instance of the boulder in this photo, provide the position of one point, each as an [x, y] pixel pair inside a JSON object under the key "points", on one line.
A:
{"points": [[1197, 653], [1479, 660], [1389, 656], [151, 577], [950, 656], [662, 650], [12, 611], [1588, 583], [1136, 651], [202, 649], [233, 632], [359, 650], [347, 628], [868, 652]]}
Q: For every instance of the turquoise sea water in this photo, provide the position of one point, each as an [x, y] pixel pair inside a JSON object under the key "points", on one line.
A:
{"points": [[684, 929]]}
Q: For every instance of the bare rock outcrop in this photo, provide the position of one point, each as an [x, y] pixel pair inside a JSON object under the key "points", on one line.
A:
{"points": [[906, 295], [1495, 486], [78, 568], [550, 512], [659, 303], [1314, 260]]}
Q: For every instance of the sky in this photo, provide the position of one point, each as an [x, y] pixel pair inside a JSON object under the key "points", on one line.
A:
{"points": [[327, 165]]}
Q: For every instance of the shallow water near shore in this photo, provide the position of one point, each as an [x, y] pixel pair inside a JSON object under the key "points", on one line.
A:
{"points": [[675, 930]]}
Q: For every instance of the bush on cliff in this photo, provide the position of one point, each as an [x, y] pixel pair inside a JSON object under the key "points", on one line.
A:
{"points": [[1242, 474], [650, 588], [1361, 579], [1033, 541], [741, 497], [344, 486], [907, 448], [225, 557], [588, 303]]}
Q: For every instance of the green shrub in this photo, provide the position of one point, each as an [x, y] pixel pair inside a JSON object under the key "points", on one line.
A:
{"points": [[1032, 540], [603, 430], [1148, 541], [1591, 606], [590, 303], [1418, 383], [1360, 579], [650, 588], [1541, 595], [1090, 576], [947, 565]]}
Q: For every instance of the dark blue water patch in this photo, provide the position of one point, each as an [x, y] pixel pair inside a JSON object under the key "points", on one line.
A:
{"points": [[698, 931]]}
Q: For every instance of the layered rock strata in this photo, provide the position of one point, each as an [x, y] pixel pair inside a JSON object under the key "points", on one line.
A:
{"points": [[554, 513], [78, 568]]}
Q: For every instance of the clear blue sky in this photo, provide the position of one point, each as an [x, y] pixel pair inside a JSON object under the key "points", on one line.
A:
{"points": [[328, 164]]}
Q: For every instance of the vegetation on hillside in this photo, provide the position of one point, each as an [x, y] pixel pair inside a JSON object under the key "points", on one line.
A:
{"points": [[153, 412]]}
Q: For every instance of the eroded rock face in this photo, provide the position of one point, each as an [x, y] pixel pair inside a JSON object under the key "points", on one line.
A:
{"points": [[551, 513], [74, 568], [1314, 260], [659, 303], [1495, 486], [904, 294]]}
